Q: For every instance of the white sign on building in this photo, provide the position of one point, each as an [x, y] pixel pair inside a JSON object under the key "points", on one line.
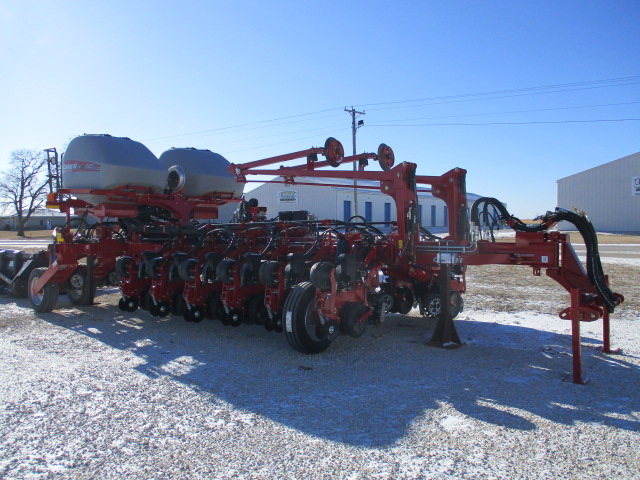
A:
{"points": [[288, 197], [635, 186]]}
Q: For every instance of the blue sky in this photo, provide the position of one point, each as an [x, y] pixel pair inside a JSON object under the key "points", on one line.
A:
{"points": [[181, 73]]}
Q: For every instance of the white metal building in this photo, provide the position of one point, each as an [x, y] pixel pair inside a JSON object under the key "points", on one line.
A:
{"points": [[609, 194], [40, 219], [337, 202]]}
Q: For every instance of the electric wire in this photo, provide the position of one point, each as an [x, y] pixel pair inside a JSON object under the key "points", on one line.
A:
{"points": [[241, 125], [276, 134], [504, 113], [465, 96], [510, 123], [283, 143], [536, 90]]}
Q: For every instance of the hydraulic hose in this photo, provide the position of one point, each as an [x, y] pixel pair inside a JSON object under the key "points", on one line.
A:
{"points": [[481, 211]]}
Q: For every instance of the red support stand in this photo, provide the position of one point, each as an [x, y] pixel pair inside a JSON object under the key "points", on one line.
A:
{"points": [[606, 335], [575, 339]]}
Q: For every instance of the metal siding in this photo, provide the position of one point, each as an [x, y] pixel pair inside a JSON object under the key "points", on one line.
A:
{"points": [[604, 193]]}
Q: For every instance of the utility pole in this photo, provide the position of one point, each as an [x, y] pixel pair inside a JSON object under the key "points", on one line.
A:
{"points": [[354, 128]]}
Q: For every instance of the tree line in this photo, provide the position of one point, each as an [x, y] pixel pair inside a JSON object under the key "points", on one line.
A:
{"points": [[23, 186]]}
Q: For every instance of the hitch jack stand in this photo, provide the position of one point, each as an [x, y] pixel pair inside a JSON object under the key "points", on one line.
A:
{"points": [[445, 334], [576, 343]]}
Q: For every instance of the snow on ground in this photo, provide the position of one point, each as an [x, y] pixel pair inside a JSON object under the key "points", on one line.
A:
{"points": [[93, 392]]}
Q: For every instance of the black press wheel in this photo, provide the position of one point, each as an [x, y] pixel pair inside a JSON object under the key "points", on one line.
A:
{"points": [[46, 300], [177, 303], [350, 315], [81, 289], [215, 309], [128, 304], [457, 304], [19, 288], [146, 302], [256, 310], [302, 322], [197, 314], [235, 318]]}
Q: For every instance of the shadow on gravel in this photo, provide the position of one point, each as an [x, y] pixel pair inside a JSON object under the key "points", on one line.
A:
{"points": [[370, 391]]}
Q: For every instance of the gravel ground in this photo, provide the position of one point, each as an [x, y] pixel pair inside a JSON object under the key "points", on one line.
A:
{"points": [[92, 392]]}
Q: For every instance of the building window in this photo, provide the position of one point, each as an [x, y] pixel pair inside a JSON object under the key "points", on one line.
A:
{"points": [[387, 213], [347, 210], [433, 215], [368, 209]]}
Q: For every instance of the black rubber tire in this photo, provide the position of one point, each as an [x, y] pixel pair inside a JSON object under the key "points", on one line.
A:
{"points": [[300, 320], [319, 275], [46, 301], [80, 289]]}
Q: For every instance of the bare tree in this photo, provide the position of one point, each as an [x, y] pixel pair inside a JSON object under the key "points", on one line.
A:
{"points": [[23, 186]]}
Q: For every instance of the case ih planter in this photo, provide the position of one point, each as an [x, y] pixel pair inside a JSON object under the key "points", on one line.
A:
{"points": [[314, 280]]}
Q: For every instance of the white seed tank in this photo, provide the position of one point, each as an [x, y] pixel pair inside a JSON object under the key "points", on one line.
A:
{"points": [[105, 162], [204, 171]]}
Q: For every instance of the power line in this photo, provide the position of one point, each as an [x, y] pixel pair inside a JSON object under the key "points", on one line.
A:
{"points": [[508, 123], [271, 136], [536, 90], [241, 125], [282, 143], [507, 112], [501, 96], [635, 79]]}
